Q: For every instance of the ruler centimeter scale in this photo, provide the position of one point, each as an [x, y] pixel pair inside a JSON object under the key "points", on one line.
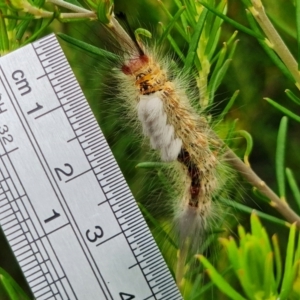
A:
{"points": [[65, 207]]}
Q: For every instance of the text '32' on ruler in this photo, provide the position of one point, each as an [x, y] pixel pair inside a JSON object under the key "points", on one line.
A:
{"points": [[65, 207]]}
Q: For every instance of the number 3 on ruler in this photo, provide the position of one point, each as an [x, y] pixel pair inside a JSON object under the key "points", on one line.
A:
{"points": [[96, 235]]}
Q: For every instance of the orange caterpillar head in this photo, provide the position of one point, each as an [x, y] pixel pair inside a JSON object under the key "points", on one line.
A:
{"points": [[135, 64]]}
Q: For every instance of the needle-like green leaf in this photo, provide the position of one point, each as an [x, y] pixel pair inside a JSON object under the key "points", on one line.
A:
{"points": [[249, 146], [213, 37], [190, 58], [151, 165], [38, 32], [216, 81], [171, 25], [292, 96], [280, 156], [293, 185], [283, 109], [298, 29], [89, 48], [179, 28], [4, 42], [262, 215], [278, 262], [232, 22], [287, 280], [220, 281], [229, 104], [12, 289]]}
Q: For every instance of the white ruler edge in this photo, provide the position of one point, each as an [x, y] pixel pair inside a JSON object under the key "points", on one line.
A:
{"points": [[65, 207]]}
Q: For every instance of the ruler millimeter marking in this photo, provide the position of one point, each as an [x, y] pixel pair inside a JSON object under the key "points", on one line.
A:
{"points": [[65, 207]]}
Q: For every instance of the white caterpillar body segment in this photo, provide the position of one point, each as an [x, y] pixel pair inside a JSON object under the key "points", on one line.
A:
{"points": [[171, 151], [153, 117]]}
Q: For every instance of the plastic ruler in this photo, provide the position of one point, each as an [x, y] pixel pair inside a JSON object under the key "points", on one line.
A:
{"points": [[65, 207]]}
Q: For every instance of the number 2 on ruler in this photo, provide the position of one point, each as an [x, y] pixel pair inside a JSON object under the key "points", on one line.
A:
{"points": [[66, 173]]}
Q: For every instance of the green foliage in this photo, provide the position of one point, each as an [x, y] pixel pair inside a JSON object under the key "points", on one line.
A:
{"points": [[247, 136], [9, 289], [280, 157], [257, 263]]}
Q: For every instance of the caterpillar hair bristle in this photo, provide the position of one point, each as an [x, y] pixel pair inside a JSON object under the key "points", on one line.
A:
{"points": [[182, 137]]}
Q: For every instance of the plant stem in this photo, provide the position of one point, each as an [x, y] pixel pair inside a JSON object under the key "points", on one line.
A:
{"points": [[90, 15], [181, 255], [69, 6], [37, 12], [281, 206], [275, 41]]}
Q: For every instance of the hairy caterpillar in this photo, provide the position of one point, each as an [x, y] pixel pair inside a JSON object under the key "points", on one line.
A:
{"points": [[177, 132]]}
